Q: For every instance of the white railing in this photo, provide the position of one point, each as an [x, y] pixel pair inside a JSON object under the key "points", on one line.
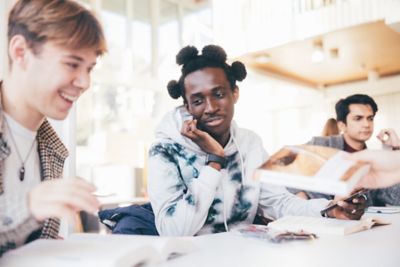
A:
{"points": [[342, 14], [260, 24]]}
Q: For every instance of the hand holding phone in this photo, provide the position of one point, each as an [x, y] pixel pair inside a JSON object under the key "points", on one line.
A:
{"points": [[349, 200]]}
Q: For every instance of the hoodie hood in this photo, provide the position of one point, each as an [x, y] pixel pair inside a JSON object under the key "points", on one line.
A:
{"points": [[171, 125]]}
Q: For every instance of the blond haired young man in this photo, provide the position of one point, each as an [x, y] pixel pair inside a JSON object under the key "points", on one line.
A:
{"points": [[52, 48]]}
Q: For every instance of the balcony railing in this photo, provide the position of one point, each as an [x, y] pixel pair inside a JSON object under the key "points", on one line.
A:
{"points": [[260, 24]]}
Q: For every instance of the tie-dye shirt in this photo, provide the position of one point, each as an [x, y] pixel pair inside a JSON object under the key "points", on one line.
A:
{"points": [[190, 198]]}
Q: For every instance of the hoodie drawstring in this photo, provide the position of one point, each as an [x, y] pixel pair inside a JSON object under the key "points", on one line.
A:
{"points": [[242, 171]]}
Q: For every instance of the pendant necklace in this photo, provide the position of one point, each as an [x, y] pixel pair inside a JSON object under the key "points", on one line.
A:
{"points": [[22, 168]]}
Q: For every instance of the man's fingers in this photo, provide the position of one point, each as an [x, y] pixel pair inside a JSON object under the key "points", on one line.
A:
{"points": [[339, 213], [388, 137], [351, 211], [77, 198], [349, 207], [77, 192], [192, 125], [57, 197], [54, 210], [381, 135], [361, 200], [185, 127], [75, 204], [189, 129], [189, 134], [198, 133]]}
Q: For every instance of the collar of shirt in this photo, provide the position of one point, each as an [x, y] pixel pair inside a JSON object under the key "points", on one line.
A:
{"points": [[350, 149]]}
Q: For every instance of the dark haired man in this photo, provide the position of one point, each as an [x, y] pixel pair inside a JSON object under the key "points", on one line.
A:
{"points": [[52, 48], [355, 115], [200, 168]]}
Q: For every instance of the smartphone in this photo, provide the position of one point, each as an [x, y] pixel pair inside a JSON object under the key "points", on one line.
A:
{"points": [[348, 200], [187, 117]]}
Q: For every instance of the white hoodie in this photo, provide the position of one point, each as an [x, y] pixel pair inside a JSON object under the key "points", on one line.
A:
{"points": [[190, 198]]}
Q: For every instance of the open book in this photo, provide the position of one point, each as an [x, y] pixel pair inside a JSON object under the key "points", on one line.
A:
{"points": [[321, 226], [99, 250], [313, 168]]}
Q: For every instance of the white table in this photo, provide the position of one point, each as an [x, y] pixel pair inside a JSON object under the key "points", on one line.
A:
{"points": [[378, 247]]}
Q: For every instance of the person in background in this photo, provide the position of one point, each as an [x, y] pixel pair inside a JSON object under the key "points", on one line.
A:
{"points": [[330, 128], [355, 115], [201, 167], [53, 46], [385, 168]]}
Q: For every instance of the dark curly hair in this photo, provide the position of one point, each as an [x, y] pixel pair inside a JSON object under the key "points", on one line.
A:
{"points": [[212, 56], [342, 106]]}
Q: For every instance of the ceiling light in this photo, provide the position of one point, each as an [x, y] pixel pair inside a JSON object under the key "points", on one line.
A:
{"points": [[318, 52]]}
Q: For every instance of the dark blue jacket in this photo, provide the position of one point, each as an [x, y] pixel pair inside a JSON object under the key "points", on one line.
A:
{"points": [[132, 220]]}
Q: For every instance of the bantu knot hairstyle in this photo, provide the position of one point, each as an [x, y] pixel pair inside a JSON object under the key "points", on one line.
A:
{"points": [[214, 52], [174, 89], [186, 54], [211, 56]]}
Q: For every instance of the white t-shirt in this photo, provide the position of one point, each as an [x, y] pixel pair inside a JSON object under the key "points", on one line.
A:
{"points": [[13, 203]]}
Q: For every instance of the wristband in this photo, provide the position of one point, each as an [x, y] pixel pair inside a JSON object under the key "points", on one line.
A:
{"points": [[217, 159]]}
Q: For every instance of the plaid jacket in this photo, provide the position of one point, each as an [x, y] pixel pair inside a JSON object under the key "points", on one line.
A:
{"points": [[52, 154]]}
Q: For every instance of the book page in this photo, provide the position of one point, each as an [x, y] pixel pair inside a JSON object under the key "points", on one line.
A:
{"points": [[96, 250], [175, 247], [335, 167], [376, 221], [316, 225], [47, 252], [163, 248], [312, 168]]}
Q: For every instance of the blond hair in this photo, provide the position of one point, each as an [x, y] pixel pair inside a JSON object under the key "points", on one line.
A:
{"points": [[330, 128], [64, 22]]}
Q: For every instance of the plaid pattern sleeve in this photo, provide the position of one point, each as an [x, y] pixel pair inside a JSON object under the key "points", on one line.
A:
{"points": [[50, 228], [52, 156], [15, 229], [17, 236]]}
